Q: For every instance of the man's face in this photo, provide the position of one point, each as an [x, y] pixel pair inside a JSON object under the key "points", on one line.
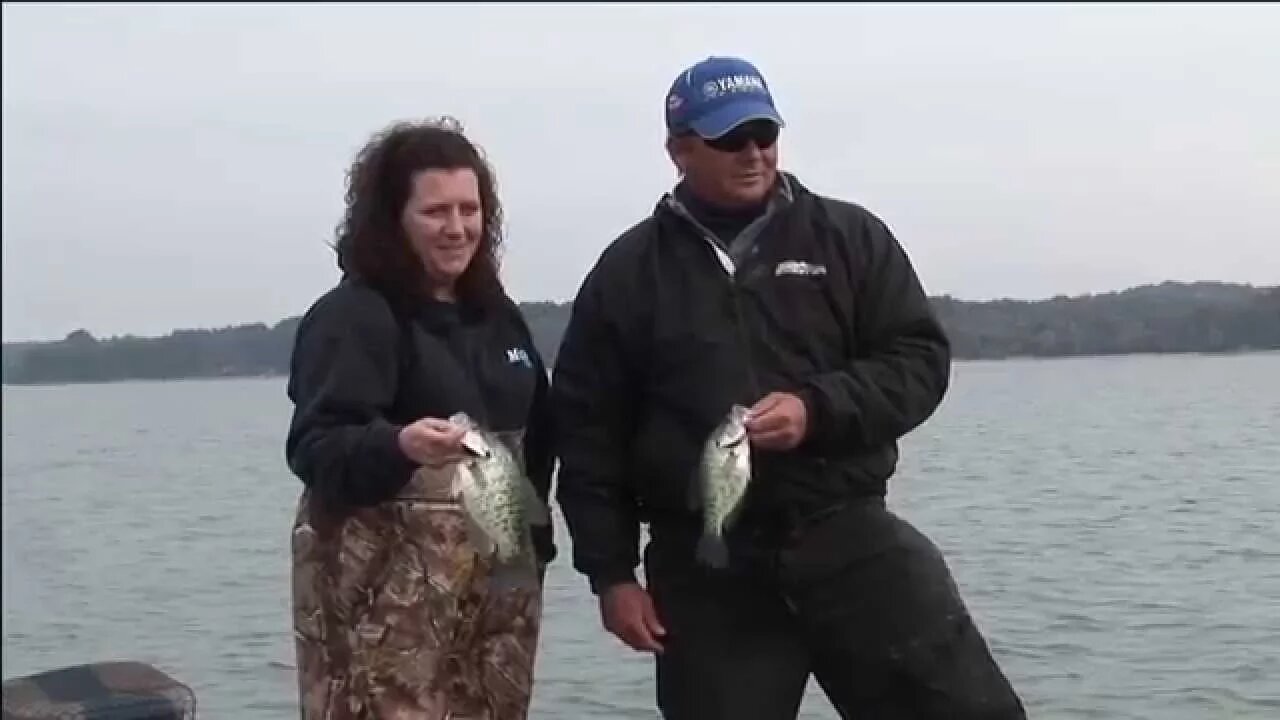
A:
{"points": [[735, 170]]}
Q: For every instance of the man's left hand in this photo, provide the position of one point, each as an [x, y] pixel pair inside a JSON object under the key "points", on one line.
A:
{"points": [[778, 422]]}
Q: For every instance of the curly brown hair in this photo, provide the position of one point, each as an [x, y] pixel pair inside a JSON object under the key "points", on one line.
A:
{"points": [[371, 243]]}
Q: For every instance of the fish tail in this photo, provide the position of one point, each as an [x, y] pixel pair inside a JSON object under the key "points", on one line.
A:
{"points": [[735, 512], [713, 551]]}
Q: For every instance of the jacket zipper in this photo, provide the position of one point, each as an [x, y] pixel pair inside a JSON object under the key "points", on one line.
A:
{"points": [[735, 287], [735, 292]]}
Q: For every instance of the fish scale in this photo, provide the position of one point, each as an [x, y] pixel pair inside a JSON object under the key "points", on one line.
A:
{"points": [[724, 474], [499, 499]]}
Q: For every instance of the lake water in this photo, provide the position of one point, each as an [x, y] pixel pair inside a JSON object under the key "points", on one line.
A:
{"points": [[1114, 524]]}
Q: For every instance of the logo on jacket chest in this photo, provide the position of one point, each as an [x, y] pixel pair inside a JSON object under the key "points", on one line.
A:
{"points": [[519, 356], [799, 267]]}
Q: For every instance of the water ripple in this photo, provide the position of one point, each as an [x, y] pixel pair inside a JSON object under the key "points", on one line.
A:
{"points": [[1113, 524]]}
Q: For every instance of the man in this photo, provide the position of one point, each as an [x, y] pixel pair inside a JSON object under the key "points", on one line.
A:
{"points": [[745, 287]]}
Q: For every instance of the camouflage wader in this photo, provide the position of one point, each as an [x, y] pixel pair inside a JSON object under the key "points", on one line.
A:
{"points": [[99, 691], [394, 618]]}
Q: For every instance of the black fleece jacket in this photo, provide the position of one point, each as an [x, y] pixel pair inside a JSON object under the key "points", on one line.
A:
{"points": [[667, 331], [361, 371]]}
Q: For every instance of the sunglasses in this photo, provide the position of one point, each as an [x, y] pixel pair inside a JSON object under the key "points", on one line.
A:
{"points": [[761, 132]]}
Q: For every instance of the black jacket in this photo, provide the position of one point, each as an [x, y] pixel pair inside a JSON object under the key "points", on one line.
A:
{"points": [[360, 372], [661, 342]]}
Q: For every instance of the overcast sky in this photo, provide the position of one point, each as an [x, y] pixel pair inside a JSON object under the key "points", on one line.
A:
{"points": [[183, 166]]}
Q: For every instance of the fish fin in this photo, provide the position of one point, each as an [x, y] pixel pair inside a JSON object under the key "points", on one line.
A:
{"points": [[479, 539], [538, 511], [713, 551], [513, 441], [735, 512]]}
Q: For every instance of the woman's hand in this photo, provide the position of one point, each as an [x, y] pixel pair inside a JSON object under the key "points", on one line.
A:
{"points": [[432, 442]]}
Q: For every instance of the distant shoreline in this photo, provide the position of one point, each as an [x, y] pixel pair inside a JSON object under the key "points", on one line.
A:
{"points": [[955, 361], [1171, 318]]}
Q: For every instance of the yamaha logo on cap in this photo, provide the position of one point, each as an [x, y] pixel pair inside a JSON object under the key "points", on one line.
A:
{"points": [[717, 94]]}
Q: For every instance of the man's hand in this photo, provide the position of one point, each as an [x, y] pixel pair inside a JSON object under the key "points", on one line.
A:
{"points": [[777, 422], [628, 612]]}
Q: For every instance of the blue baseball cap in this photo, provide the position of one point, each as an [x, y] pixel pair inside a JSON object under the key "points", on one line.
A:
{"points": [[718, 94]]}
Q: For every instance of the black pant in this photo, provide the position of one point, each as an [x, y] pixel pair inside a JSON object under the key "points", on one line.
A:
{"points": [[864, 602]]}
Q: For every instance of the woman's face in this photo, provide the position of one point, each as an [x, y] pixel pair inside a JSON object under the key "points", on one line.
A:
{"points": [[444, 221]]}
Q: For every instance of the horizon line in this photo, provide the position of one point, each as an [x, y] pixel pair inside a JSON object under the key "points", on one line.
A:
{"points": [[932, 296]]}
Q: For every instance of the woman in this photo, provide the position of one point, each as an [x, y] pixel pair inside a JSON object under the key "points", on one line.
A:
{"points": [[393, 614]]}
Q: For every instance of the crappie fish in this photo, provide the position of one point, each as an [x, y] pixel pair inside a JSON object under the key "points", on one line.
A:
{"points": [[724, 473], [499, 499]]}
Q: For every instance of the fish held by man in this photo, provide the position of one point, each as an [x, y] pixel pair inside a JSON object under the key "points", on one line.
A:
{"points": [[724, 474], [498, 499]]}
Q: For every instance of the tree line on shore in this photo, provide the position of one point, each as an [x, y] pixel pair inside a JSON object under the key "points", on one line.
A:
{"points": [[1166, 318]]}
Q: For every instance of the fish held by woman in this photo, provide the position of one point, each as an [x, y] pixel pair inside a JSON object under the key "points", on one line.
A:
{"points": [[500, 502]]}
